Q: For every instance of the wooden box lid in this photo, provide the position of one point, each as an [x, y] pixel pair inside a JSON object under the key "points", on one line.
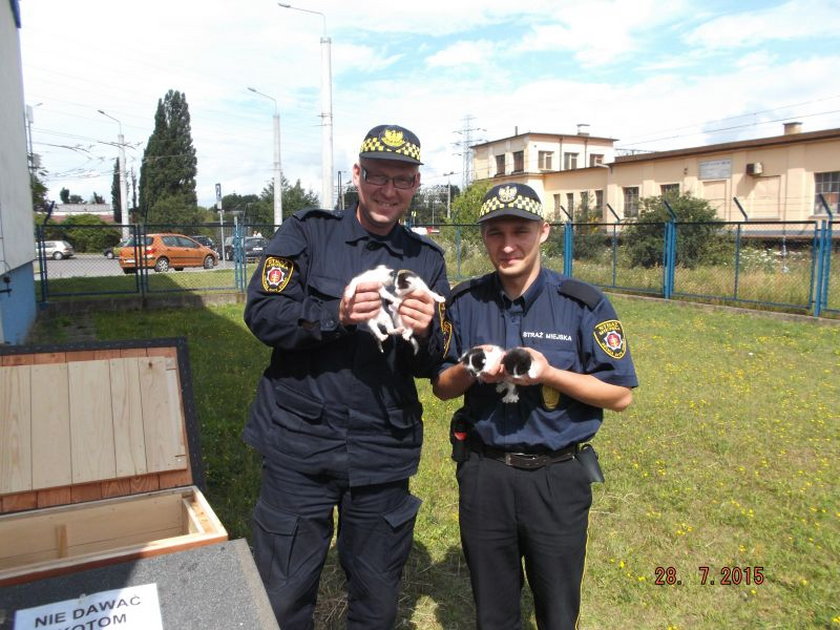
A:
{"points": [[81, 422]]}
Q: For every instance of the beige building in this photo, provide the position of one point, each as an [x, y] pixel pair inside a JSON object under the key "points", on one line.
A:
{"points": [[773, 179]]}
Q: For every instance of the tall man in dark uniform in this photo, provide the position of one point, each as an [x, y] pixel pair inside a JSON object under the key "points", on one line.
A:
{"points": [[524, 480], [338, 420]]}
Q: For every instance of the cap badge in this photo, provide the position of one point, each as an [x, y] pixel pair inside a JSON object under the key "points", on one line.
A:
{"points": [[507, 194], [392, 138]]}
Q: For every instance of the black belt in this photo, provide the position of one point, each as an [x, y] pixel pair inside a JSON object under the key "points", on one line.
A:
{"points": [[527, 461]]}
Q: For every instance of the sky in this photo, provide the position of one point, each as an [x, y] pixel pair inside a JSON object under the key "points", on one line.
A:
{"points": [[653, 74]]}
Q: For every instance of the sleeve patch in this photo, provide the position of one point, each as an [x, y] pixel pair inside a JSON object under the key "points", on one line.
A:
{"points": [[276, 273], [445, 327], [610, 336]]}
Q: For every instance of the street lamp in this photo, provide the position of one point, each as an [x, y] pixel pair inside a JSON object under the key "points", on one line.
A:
{"points": [[326, 112], [29, 115], [448, 194], [123, 184], [278, 172]]}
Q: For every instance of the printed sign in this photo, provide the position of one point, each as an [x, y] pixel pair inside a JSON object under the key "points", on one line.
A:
{"points": [[130, 608]]}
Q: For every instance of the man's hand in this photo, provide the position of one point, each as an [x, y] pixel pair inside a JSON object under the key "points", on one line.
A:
{"points": [[361, 306], [539, 368], [417, 311]]}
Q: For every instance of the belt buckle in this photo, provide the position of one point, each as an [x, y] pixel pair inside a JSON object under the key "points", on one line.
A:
{"points": [[524, 460]]}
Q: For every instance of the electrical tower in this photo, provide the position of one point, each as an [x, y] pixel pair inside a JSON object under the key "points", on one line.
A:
{"points": [[465, 145]]}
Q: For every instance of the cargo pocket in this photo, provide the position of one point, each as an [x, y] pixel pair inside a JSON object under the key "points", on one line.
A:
{"points": [[274, 540], [398, 530]]}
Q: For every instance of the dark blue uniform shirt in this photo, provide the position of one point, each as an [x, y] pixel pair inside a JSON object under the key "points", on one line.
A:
{"points": [[570, 322], [330, 401]]}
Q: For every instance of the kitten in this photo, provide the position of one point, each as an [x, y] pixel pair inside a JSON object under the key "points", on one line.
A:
{"points": [[517, 362], [381, 324], [405, 282], [480, 361]]}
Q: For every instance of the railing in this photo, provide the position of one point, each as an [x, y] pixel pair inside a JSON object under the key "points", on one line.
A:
{"points": [[779, 265]]}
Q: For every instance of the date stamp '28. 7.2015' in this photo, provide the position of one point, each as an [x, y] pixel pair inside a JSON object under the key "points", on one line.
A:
{"points": [[725, 576]]}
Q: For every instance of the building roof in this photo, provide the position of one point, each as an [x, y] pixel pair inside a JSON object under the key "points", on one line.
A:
{"points": [[789, 138], [562, 136]]}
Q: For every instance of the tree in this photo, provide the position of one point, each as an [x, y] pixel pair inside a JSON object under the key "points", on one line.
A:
{"points": [[64, 195], [97, 199], [115, 193], [39, 189], [466, 208], [702, 241], [167, 176]]}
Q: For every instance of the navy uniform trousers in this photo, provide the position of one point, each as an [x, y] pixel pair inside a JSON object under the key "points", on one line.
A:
{"points": [[293, 528], [508, 515]]}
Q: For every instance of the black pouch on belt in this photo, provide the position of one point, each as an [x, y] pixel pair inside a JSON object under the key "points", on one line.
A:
{"points": [[459, 430], [588, 458]]}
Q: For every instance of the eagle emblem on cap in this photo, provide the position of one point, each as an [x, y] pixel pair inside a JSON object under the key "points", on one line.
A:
{"points": [[393, 138], [507, 194]]}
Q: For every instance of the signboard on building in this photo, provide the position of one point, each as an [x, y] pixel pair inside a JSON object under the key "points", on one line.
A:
{"points": [[716, 169]]}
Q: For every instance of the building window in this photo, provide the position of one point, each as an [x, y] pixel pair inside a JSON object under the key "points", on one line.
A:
{"points": [[599, 201], [670, 190], [500, 164], [827, 185], [631, 202], [570, 161], [595, 159], [546, 159], [556, 205], [518, 161], [570, 203]]}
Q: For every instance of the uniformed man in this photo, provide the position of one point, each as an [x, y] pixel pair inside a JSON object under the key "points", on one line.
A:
{"points": [[338, 420], [525, 479]]}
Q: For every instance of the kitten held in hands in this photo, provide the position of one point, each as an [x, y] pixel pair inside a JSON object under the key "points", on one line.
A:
{"points": [[405, 282], [381, 324]]}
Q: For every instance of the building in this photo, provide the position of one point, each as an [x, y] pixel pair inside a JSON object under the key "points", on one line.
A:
{"points": [[778, 178], [17, 242], [64, 211]]}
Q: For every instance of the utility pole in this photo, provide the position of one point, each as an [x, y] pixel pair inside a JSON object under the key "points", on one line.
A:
{"points": [[278, 171], [126, 220], [449, 195], [326, 111]]}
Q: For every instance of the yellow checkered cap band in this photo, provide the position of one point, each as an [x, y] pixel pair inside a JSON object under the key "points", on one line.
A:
{"points": [[511, 200], [391, 142]]}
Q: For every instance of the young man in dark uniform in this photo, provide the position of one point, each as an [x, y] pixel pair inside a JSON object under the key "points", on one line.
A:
{"points": [[336, 418], [524, 489]]}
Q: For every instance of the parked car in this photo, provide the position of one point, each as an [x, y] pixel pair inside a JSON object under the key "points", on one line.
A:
{"points": [[252, 246], [56, 249], [166, 251], [204, 240], [110, 252]]}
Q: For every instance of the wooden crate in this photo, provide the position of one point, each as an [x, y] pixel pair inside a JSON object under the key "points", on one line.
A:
{"points": [[99, 457]]}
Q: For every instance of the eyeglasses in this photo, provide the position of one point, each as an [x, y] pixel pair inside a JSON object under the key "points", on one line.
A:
{"points": [[402, 182]]}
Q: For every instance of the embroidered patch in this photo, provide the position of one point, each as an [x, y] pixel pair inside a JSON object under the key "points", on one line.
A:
{"points": [[276, 274], [550, 397], [610, 336], [445, 327]]}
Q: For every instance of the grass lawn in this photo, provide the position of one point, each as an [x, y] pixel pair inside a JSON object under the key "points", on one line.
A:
{"points": [[727, 459]]}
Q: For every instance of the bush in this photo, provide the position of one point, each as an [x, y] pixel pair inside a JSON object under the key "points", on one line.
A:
{"points": [[701, 236]]}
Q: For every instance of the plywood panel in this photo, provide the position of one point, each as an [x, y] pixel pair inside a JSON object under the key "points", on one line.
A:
{"points": [[15, 429], [92, 436], [162, 420], [126, 404], [51, 464]]}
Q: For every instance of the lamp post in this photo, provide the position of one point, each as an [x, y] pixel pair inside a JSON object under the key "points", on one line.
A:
{"points": [[123, 186], [449, 194], [29, 116], [326, 112], [278, 171]]}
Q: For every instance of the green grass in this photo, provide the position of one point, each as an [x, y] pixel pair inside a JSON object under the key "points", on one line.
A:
{"points": [[727, 458]]}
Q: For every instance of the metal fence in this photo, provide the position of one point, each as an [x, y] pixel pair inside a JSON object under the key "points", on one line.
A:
{"points": [[789, 266]]}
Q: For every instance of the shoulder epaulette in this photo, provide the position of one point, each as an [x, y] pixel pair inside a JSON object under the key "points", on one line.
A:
{"points": [[467, 285], [581, 291], [302, 215], [423, 239]]}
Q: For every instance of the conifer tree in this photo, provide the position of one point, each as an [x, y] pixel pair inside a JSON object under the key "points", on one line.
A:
{"points": [[167, 176]]}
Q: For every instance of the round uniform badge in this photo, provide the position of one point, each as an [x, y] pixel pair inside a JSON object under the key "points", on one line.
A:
{"points": [[276, 274], [610, 336]]}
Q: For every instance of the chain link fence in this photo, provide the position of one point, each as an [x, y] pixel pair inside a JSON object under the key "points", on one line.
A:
{"points": [[790, 266]]}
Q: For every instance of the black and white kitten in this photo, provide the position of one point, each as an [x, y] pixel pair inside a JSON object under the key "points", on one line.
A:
{"points": [[481, 360], [517, 363], [405, 282], [382, 324]]}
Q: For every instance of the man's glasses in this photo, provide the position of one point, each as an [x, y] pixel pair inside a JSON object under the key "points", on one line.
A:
{"points": [[402, 182]]}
